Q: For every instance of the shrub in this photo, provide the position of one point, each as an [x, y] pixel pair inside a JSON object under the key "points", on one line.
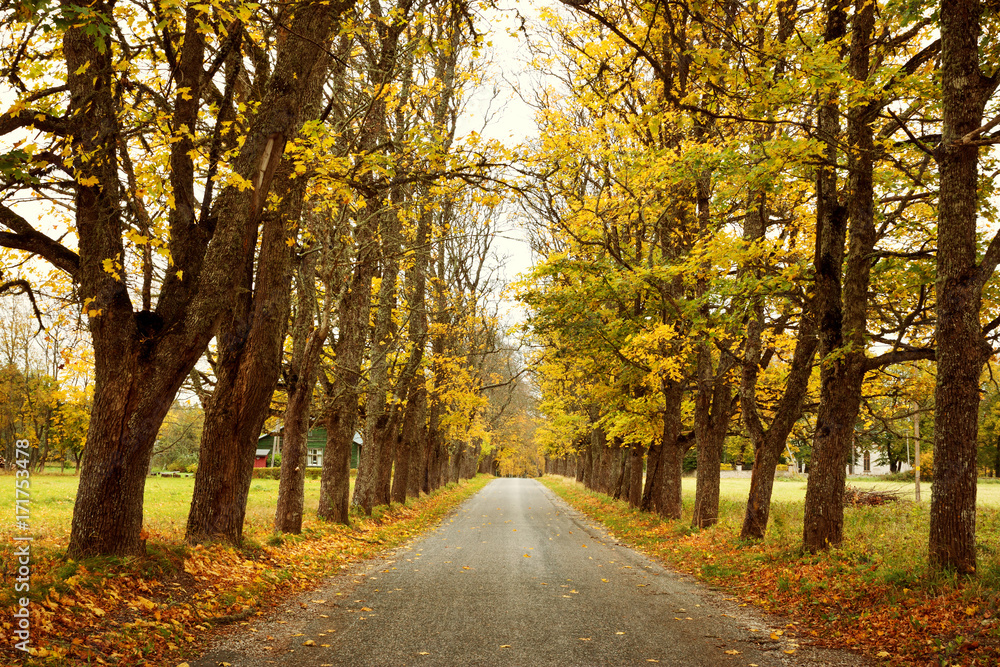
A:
{"points": [[927, 465], [192, 468], [275, 473]]}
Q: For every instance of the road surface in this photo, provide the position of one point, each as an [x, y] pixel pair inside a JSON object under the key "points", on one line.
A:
{"points": [[515, 577]]}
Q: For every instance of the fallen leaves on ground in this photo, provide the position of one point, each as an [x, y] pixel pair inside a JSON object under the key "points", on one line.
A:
{"points": [[163, 608]]}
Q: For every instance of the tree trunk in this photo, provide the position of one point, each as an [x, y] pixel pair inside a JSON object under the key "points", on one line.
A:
{"points": [[307, 343], [842, 315], [249, 362], [343, 392], [653, 489], [411, 445], [671, 464], [961, 350], [636, 453], [618, 470], [714, 407], [770, 443]]}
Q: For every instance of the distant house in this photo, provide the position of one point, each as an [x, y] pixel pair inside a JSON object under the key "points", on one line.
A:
{"points": [[866, 463], [270, 444]]}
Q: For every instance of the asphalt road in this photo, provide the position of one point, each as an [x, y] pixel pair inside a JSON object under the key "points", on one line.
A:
{"points": [[516, 577]]}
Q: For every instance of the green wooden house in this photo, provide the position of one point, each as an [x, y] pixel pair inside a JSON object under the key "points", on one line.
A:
{"points": [[270, 444]]}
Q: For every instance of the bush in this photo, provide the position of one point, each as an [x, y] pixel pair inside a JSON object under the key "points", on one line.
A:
{"points": [[726, 466], [275, 473], [926, 471], [193, 468], [927, 465]]}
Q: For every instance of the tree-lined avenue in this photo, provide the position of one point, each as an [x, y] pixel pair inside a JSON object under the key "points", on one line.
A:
{"points": [[516, 577]]}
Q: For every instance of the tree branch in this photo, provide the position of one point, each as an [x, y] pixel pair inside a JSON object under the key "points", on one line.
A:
{"points": [[898, 357], [25, 237]]}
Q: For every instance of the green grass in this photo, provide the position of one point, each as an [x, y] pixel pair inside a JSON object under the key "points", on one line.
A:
{"points": [[167, 500], [794, 490]]}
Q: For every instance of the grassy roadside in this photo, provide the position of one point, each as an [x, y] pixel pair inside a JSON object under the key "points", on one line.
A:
{"points": [[163, 608], [874, 595], [165, 507]]}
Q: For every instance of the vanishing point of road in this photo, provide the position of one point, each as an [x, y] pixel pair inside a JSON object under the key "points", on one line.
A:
{"points": [[516, 577]]}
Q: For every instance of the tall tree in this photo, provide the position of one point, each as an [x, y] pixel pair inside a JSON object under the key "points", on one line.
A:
{"points": [[961, 349]]}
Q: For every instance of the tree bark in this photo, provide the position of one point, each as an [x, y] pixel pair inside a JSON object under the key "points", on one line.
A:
{"points": [[248, 366], [374, 465], [251, 342], [770, 443], [842, 300], [961, 350], [414, 436], [673, 448], [342, 401], [636, 453], [714, 407], [307, 343]]}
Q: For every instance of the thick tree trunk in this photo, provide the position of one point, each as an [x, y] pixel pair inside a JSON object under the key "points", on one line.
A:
{"points": [[635, 489], [653, 489], [769, 444], [599, 449], [416, 440], [248, 366], [411, 444], [671, 464], [618, 469], [374, 466], [961, 350], [343, 393], [842, 301], [307, 343], [714, 407], [144, 357]]}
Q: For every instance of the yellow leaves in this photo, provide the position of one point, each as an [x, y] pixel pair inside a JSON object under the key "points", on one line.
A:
{"points": [[145, 603], [732, 651], [91, 312], [113, 267], [82, 68], [89, 181]]}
